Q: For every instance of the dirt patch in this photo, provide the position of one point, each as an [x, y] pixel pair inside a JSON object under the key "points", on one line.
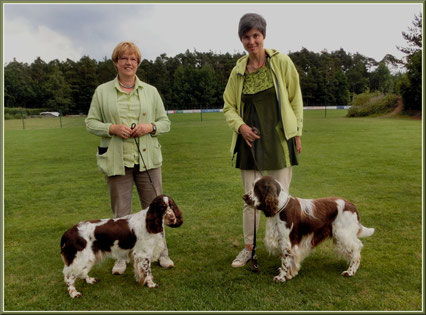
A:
{"points": [[399, 111], [399, 107]]}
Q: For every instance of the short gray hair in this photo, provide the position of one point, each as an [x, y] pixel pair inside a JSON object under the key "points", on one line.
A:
{"points": [[249, 21]]}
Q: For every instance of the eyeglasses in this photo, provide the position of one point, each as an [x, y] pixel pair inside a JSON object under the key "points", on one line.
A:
{"points": [[131, 60]]}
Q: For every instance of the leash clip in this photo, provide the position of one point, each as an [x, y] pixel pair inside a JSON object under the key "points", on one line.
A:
{"points": [[255, 130], [254, 265]]}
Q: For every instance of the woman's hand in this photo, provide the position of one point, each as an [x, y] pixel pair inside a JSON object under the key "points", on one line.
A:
{"points": [[298, 144], [141, 129], [121, 131], [248, 134]]}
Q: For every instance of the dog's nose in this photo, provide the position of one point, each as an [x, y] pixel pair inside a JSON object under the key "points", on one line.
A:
{"points": [[248, 200]]}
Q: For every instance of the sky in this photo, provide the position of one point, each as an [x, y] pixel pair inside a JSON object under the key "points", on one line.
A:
{"points": [[72, 30]]}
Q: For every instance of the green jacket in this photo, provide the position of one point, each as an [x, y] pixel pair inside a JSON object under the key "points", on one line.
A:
{"points": [[103, 113], [289, 96]]}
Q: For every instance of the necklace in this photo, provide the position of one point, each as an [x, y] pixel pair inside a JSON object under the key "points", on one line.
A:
{"points": [[257, 68], [126, 86]]}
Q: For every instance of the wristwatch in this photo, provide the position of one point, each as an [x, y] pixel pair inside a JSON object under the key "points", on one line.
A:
{"points": [[154, 129]]}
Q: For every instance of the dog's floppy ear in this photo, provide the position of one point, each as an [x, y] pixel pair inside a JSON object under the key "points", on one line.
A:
{"points": [[177, 212], [248, 200], [271, 190], [154, 216], [271, 204]]}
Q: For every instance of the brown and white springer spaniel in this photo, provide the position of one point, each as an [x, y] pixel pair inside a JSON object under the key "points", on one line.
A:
{"points": [[296, 226], [137, 236]]}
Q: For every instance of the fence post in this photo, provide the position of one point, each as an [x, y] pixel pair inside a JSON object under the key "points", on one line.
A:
{"points": [[201, 112], [60, 118], [23, 120]]}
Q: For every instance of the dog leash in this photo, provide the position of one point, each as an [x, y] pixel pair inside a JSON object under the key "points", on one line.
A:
{"points": [[140, 154], [257, 132], [254, 265]]}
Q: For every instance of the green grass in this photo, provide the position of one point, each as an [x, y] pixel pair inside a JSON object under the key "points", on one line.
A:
{"points": [[51, 182]]}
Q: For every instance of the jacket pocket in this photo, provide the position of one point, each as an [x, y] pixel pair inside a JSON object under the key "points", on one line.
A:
{"points": [[102, 150], [103, 160], [155, 157]]}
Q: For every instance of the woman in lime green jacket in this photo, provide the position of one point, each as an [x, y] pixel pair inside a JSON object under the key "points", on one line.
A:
{"points": [[263, 94], [116, 106]]}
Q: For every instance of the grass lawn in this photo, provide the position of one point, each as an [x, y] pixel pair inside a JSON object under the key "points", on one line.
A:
{"points": [[51, 182]]}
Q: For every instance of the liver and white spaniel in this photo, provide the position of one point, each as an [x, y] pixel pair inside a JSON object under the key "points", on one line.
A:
{"points": [[137, 236], [295, 226]]}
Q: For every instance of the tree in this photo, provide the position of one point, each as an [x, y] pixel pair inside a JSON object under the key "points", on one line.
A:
{"points": [[413, 37], [310, 75], [18, 85], [380, 79], [38, 71], [105, 70], [58, 92], [358, 75], [83, 80], [188, 80], [411, 86], [195, 87], [341, 88]]}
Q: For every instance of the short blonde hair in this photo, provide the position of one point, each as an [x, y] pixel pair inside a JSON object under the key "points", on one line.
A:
{"points": [[125, 47]]}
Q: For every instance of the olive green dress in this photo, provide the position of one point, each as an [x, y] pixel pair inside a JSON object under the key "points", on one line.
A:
{"points": [[261, 110]]}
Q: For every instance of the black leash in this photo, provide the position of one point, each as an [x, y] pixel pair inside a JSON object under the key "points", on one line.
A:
{"points": [[254, 265], [257, 132], [139, 150]]}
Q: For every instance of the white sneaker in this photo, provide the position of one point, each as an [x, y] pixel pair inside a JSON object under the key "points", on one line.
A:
{"points": [[119, 267], [166, 262], [242, 258]]}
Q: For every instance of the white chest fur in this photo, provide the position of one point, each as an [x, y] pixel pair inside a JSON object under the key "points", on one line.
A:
{"points": [[276, 235]]}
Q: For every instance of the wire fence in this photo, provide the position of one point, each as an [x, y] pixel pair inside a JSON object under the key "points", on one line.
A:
{"points": [[56, 120], [43, 122]]}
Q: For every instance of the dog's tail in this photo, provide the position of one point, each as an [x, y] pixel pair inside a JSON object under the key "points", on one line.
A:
{"points": [[365, 231]]}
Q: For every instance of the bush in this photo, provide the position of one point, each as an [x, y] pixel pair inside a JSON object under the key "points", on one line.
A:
{"points": [[16, 112], [367, 104]]}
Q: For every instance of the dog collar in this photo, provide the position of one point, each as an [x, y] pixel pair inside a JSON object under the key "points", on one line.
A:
{"points": [[285, 205]]}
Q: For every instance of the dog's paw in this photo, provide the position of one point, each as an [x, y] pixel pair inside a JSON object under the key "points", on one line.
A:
{"points": [[91, 280], [75, 294], [151, 285], [291, 274], [347, 274], [279, 278]]}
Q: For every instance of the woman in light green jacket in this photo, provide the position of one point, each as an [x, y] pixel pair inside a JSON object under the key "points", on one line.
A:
{"points": [[263, 94], [116, 106]]}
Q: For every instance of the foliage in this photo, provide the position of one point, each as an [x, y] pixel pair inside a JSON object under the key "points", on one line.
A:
{"points": [[413, 37], [19, 112], [381, 79], [58, 93], [325, 78], [411, 85], [52, 182], [189, 80], [372, 104], [68, 86], [18, 89]]}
